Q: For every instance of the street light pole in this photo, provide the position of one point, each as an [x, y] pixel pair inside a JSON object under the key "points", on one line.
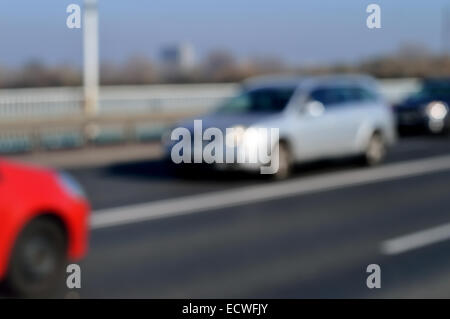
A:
{"points": [[91, 65]]}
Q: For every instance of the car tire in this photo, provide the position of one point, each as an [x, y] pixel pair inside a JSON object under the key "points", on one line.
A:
{"points": [[285, 162], [375, 151], [38, 260]]}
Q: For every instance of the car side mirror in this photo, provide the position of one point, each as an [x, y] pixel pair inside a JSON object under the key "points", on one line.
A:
{"points": [[314, 108]]}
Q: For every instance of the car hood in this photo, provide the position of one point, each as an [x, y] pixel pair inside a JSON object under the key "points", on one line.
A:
{"points": [[223, 121], [16, 170], [414, 103]]}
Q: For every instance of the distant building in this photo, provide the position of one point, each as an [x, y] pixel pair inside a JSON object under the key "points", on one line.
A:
{"points": [[178, 57]]}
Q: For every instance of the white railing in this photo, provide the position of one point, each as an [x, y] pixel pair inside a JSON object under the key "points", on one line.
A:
{"points": [[55, 102], [53, 117]]}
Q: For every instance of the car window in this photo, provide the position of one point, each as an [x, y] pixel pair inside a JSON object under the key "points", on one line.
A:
{"points": [[330, 97], [259, 100], [336, 96], [360, 94], [432, 90]]}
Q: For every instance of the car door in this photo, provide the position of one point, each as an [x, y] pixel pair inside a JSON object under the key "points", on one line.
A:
{"points": [[318, 128], [365, 109], [348, 115]]}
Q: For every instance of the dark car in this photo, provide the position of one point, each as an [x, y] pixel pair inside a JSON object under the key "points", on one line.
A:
{"points": [[426, 110]]}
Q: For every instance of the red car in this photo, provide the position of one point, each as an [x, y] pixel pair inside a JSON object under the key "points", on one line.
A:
{"points": [[43, 225]]}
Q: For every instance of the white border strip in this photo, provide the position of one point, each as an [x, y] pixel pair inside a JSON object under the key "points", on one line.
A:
{"points": [[416, 240]]}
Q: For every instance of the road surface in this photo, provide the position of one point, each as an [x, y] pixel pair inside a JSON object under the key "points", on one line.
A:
{"points": [[221, 235]]}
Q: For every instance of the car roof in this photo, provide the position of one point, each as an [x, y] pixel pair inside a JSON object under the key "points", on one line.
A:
{"points": [[282, 80]]}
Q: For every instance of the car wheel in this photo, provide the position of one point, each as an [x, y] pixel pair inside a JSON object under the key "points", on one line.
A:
{"points": [[375, 150], [284, 162], [38, 260]]}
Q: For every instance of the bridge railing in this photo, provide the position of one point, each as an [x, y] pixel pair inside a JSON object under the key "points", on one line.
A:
{"points": [[52, 118]]}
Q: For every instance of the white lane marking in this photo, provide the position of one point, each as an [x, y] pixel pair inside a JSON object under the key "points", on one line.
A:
{"points": [[416, 240], [245, 195]]}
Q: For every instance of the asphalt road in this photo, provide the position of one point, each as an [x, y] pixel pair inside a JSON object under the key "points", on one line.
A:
{"points": [[316, 241]]}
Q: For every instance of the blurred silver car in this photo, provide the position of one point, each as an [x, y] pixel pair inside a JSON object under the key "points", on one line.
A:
{"points": [[317, 117]]}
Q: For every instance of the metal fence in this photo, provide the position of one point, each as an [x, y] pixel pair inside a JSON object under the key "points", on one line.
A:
{"points": [[56, 102], [52, 118]]}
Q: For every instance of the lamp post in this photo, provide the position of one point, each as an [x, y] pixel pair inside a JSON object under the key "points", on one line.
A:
{"points": [[91, 65]]}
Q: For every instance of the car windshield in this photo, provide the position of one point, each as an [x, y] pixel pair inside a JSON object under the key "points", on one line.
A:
{"points": [[433, 90], [258, 100]]}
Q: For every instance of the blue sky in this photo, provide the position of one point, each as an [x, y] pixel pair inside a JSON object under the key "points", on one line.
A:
{"points": [[308, 31]]}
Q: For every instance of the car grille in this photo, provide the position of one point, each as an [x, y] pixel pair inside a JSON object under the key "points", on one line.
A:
{"points": [[409, 116]]}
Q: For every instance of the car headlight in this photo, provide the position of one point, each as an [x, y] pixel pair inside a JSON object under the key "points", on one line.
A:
{"points": [[70, 185], [436, 110], [235, 136]]}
